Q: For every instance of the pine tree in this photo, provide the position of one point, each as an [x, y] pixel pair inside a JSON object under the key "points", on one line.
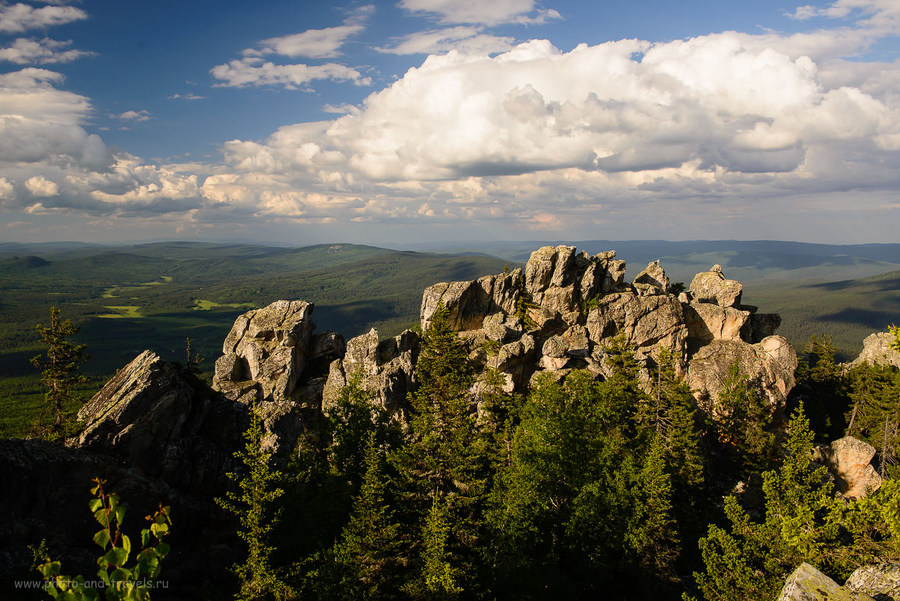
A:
{"points": [[875, 414], [741, 421], [822, 386], [803, 522], [60, 367], [438, 573]]}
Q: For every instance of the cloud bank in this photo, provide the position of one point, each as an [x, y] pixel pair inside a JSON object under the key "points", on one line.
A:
{"points": [[752, 132]]}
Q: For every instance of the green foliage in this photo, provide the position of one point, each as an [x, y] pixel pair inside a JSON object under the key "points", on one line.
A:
{"points": [[671, 412], [446, 458], [822, 387], [581, 499], [741, 422], [804, 521], [438, 574], [875, 412], [523, 305], [121, 582], [368, 554], [60, 368], [253, 505]]}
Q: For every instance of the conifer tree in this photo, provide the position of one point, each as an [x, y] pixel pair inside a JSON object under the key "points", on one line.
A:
{"points": [[741, 421], [369, 551], [673, 418], [803, 522], [253, 505], [447, 456], [60, 367]]}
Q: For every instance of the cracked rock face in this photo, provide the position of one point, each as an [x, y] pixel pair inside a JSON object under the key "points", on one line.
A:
{"points": [[268, 356], [266, 346], [163, 421], [386, 368], [877, 351], [809, 584], [769, 365]]}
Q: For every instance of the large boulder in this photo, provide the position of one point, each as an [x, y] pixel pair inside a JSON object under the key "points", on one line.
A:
{"points": [[877, 351], [807, 583], [265, 352], [470, 302], [652, 281], [849, 461], [707, 322], [880, 581], [712, 287], [769, 366]]}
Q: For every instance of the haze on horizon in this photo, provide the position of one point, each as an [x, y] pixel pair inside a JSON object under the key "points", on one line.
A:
{"points": [[428, 120]]}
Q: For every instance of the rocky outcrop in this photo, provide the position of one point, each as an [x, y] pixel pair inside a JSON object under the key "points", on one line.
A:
{"points": [[769, 366], [881, 581], [807, 583], [877, 351], [271, 357], [849, 461], [163, 421], [385, 368], [469, 303], [265, 352], [562, 310]]}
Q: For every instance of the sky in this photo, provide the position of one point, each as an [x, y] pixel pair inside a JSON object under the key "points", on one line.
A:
{"points": [[411, 121]]}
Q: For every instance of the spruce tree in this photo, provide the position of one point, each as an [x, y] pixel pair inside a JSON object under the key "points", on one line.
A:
{"points": [[446, 459], [60, 368], [369, 552], [254, 506]]}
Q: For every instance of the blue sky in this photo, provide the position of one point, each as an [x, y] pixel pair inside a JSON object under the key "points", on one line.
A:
{"points": [[426, 120]]}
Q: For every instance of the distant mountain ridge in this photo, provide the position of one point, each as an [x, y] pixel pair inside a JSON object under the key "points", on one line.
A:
{"points": [[742, 260]]}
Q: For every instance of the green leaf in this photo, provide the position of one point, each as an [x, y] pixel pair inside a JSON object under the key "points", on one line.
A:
{"points": [[95, 504], [163, 549], [126, 544], [120, 513], [116, 556], [101, 517], [102, 538], [145, 538]]}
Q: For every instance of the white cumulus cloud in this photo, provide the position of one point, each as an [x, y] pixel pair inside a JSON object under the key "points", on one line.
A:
{"points": [[252, 71], [28, 51], [41, 186], [19, 17]]}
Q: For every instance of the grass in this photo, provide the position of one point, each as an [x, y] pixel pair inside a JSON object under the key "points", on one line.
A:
{"points": [[122, 311], [206, 305]]}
